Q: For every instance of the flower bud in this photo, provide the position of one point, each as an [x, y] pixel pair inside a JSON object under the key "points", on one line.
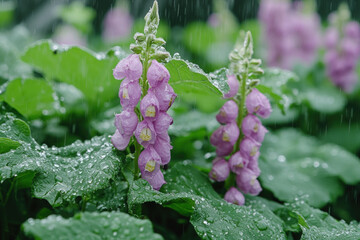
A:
{"points": [[249, 148], [129, 68], [228, 112], [159, 41], [234, 196], [145, 133], [165, 95], [251, 127], [228, 133], [233, 85], [157, 74], [256, 102], [162, 123], [149, 106], [126, 122], [247, 182], [224, 149], [149, 161], [139, 37], [220, 170], [161, 56], [136, 48], [155, 181], [163, 147], [237, 162], [120, 141], [129, 94]]}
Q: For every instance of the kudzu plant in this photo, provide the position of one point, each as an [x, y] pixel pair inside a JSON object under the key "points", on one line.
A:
{"points": [[145, 79], [240, 147]]}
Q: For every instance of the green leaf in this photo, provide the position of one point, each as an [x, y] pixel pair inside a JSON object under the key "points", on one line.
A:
{"points": [[326, 99], [105, 225], [32, 98], [11, 46], [62, 174], [189, 192], [275, 83], [91, 73], [293, 165], [6, 144], [350, 136], [186, 77]]}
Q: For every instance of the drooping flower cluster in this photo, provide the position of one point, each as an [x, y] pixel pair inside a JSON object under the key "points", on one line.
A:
{"points": [[292, 34], [150, 123], [242, 150], [342, 42]]}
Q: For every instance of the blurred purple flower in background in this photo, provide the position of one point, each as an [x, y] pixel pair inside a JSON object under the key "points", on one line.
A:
{"points": [[117, 25], [291, 35], [69, 35]]}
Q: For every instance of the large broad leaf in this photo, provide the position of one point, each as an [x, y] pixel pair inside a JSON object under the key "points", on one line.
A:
{"points": [[32, 98], [294, 165], [189, 192], [91, 73], [62, 174], [186, 77], [105, 225]]}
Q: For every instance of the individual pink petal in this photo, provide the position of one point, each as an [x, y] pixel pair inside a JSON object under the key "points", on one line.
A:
{"points": [[120, 141], [129, 94], [163, 147], [220, 170], [249, 148], [149, 106], [251, 127], [126, 122], [256, 102], [237, 162], [155, 181], [233, 85], [228, 112], [247, 182], [149, 162], [162, 123], [165, 95], [157, 74], [234, 196], [129, 68], [145, 133]]}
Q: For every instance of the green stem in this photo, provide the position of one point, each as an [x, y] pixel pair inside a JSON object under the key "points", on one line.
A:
{"points": [[241, 106], [137, 154], [9, 192]]}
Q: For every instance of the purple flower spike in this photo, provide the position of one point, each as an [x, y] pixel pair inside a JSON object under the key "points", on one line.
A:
{"points": [[145, 133], [234, 196], [149, 106], [247, 182], [233, 85], [228, 133], [166, 96], [162, 123], [352, 30], [163, 147], [157, 74], [129, 94], [237, 162], [126, 122], [155, 181], [228, 113], [256, 102], [252, 128], [249, 148], [129, 68], [224, 149], [220, 170], [120, 141], [149, 162]]}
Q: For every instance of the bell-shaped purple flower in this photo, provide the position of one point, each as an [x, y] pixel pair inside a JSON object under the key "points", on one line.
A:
{"points": [[156, 181], [247, 182], [234, 196], [162, 123], [237, 162], [157, 74], [249, 148], [256, 102], [120, 141], [149, 106], [253, 165], [224, 149], [162, 147], [228, 133], [220, 170], [251, 127], [145, 133], [126, 122], [149, 161], [233, 85], [228, 112], [165, 95], [129, 68], [129, 94]]}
